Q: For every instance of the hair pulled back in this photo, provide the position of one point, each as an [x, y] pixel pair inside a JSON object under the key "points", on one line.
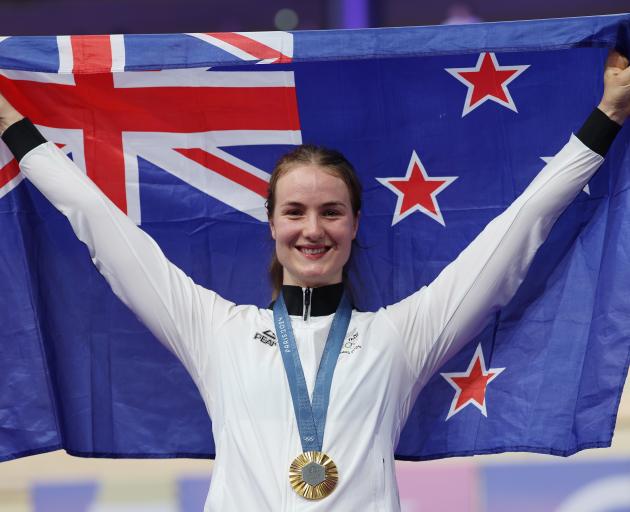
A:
{"points": [[308, 154]]}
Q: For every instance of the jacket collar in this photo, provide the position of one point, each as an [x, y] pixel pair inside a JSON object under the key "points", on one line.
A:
{"points": [[323, 300]]}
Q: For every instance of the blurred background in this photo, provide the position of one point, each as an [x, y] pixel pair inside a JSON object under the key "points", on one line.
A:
{"points": [[32, 17], [592, 481]]}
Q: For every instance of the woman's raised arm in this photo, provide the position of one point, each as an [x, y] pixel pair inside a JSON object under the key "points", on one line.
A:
{"points": [[178, 312], [439, 319]]}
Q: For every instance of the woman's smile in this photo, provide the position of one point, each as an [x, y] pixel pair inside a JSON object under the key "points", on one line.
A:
{"points": [[313, 225], [313, 252]]}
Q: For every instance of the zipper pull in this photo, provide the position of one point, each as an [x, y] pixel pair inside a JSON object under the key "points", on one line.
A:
{"points": [[307, 303]]}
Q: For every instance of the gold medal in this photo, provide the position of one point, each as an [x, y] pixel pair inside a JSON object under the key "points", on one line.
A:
{"points": [[313, 475]]}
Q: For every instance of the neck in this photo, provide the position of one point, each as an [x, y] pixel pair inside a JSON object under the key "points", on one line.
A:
{"points": [[322, 301]]}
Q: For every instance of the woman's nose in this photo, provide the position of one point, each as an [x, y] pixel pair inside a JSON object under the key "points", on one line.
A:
{"points": [[313, 227]]}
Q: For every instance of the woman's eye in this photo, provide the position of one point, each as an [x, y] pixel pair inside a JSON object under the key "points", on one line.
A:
{"points": [[332, 213], [293, 213]]}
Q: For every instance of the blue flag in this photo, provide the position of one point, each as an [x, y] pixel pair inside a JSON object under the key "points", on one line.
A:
{"points": [[445, 125]]}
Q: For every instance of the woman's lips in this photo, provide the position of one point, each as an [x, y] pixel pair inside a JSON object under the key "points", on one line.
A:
{"points": [[313, 252]]}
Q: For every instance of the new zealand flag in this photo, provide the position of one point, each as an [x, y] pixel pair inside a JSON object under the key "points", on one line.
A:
{"points": [[446, 126]]}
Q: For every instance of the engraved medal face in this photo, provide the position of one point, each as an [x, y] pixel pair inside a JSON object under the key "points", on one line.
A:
{"points": [[313, 475]]}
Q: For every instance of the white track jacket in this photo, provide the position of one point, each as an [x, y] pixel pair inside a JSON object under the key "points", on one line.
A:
{"points": [[394, 351]]}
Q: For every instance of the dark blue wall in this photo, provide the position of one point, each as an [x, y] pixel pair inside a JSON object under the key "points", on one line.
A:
{"points": [[22, 17]]}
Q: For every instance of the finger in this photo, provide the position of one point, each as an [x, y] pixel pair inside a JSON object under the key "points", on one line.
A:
{"points": [[618, 64], [616, 60], [624, 76]]}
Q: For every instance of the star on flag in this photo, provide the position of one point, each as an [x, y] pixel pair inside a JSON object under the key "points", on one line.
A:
{"points": [[487, 81], [417, 191], [470, 386]]}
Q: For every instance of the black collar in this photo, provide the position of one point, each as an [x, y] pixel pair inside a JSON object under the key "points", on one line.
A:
{"points": [[323, 300]]}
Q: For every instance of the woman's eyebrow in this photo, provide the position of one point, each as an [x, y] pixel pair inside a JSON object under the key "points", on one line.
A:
{"points": [[328, 204], [292, 203], [333, 203]]}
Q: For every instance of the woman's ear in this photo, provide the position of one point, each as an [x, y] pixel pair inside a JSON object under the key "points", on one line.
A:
{"points": [[272, 228]]}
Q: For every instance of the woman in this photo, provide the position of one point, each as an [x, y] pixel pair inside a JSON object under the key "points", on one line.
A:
{"points": [[264, 420]]}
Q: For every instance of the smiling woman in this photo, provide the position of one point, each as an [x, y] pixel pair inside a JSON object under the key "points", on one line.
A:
{"points": [[286, 432], [314, 205]]}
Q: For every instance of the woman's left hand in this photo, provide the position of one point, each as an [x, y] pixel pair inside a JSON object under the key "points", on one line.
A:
{"points": [[616, 99], [8, 114]]}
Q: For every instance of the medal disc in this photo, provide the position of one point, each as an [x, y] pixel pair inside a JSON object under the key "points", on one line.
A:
{"points": [[313, 475]]}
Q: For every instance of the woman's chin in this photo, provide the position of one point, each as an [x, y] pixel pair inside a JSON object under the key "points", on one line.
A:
{"points": [[313, 279]]}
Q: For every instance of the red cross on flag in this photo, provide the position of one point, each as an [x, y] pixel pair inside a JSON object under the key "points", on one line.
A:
{"points": [[178, 119]]}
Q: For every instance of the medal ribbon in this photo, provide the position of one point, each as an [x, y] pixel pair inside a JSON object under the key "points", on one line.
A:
{"points": [[311, 418]]}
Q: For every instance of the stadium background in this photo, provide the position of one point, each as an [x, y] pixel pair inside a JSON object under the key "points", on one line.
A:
{"points": [[591, 481]]}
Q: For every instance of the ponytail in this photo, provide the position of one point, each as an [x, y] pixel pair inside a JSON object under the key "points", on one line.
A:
{"points": [[276, 274]]}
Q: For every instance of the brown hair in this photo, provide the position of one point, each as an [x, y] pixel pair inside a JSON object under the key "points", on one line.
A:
{"points": [[330, 159]]}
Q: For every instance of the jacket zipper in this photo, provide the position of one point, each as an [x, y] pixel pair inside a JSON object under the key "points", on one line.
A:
{"points": [[306, 303]]}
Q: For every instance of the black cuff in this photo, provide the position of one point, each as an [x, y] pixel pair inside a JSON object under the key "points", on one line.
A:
{"points": [[598, 132], [21, 137]]}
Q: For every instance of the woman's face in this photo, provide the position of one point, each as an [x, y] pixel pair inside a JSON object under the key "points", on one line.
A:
{"points": [[313, 225]]}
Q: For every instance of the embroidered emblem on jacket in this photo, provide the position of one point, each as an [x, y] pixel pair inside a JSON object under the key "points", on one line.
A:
{"points": [[267, 337], [351, 343]]}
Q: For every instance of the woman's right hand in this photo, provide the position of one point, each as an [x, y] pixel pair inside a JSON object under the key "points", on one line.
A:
{"points": [[616, 99], [8, 114]]}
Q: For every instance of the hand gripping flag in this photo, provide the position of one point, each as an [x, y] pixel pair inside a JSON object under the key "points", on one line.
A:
{"points": [[446, 126]]}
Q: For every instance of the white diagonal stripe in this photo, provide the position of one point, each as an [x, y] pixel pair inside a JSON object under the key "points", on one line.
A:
{"points": [[158, 149], [234, 50]]}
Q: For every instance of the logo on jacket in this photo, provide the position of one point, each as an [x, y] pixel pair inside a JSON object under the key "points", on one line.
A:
{"points": [[267, 337], [351, 343]]}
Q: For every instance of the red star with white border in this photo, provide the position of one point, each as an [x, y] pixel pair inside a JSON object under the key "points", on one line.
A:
{"points": [[417, 191], [470, 386], [487, 81]]}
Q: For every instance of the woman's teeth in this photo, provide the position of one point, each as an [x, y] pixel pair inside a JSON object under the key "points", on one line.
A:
{"points": [[313, 251]]}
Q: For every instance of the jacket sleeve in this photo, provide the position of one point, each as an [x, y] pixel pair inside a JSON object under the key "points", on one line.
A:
{"points": [[438, 320], [179, 313]]}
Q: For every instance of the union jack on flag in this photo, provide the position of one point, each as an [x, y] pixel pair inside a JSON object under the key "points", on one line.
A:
{"points": [[445, 125], [107, 116]]}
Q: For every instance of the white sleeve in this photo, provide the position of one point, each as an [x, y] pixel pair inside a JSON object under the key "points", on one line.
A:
{"points": [[435, 322], [178, 312]]}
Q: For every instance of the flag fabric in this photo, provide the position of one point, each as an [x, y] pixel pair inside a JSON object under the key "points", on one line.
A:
{"points": [[445, 125]]}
